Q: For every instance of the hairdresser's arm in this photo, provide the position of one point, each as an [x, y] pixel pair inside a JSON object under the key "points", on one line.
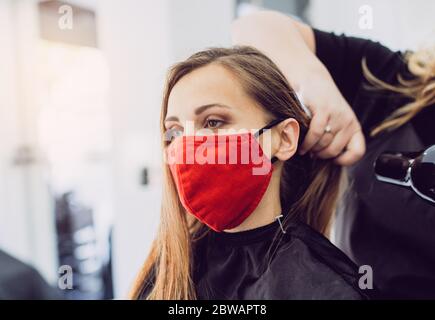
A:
{"points": [[291, 45]]}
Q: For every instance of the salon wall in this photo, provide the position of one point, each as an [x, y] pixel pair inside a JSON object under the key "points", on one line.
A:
{"points": [[8, 106], [26, 224], [399, 24], [141, 39], [135, 40]]}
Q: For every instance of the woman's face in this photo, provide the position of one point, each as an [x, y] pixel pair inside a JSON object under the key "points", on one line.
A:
{"points": [[212, 98]]}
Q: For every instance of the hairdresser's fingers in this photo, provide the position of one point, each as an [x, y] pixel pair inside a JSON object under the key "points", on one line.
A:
{"points": [[341, 139], [355, 150], [323, 142], [315, 131], [340, 122]]}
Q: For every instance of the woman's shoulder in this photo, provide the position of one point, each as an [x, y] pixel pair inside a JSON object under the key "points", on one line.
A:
{"points": [[321, 247], [316, 263]]}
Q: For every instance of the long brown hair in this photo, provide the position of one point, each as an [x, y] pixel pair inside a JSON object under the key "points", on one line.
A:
{"points": [[309, 187], [420, 89]]}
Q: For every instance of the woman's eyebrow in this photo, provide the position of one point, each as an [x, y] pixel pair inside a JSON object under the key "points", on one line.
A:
{"points": [[201, 109], [172, 118]]}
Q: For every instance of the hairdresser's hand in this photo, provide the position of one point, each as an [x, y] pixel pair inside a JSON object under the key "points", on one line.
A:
{"points": [[334, 129], [291, 45]]}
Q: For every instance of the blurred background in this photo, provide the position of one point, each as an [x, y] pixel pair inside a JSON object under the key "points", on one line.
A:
{"points": [[80, 91]]}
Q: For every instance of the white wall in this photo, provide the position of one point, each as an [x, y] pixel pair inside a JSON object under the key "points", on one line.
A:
{"points": [[9, 133], [141, 39], [198, 24], [134, 36], [26, 216], [398, 24]]}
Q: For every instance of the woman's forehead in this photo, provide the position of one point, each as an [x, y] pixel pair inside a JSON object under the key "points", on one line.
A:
{"points": [[211, 84]]}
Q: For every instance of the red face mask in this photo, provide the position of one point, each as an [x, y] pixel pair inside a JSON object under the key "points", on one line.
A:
{"points": [[220, 179]]}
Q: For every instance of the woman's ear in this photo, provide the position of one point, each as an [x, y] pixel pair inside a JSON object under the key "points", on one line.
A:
{"points": [[287, 136]]}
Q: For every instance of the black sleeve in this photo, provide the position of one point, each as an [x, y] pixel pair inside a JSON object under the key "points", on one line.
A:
{"points": [[343, 55]]}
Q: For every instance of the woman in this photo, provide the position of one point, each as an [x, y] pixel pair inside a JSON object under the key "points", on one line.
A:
{"points": [[227, 232], [392, 95]]}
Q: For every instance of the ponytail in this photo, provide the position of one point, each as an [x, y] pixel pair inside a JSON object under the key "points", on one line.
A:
{"points": [[421, 89]]}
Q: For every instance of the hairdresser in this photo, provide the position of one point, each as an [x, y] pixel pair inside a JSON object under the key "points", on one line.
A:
{"points": [[365, 99]]}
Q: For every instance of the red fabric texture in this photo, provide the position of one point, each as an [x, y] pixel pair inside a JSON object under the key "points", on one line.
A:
{"points": [[224, 193]]}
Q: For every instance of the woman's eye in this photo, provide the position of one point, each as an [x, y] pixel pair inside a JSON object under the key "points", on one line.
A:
{"points": [[213, 123], [172, 133]]}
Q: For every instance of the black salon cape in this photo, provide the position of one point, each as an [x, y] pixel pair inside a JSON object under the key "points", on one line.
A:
{"points": [[386, 226], [253, 264], [19, 281]]}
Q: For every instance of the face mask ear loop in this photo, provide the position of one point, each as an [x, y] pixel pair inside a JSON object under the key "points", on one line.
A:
{"points": [[267, 127], [302, 133]]}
